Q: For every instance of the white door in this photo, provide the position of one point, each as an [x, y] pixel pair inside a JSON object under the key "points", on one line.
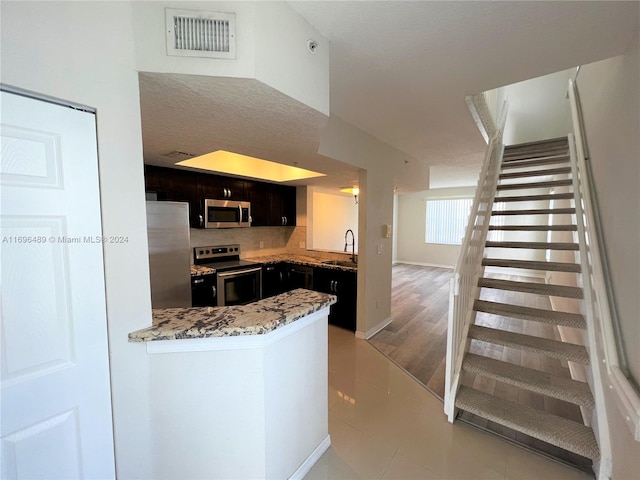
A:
{"points": [[56, 403]]}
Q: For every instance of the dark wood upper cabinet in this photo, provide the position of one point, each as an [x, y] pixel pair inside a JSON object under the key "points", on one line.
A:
{"points": [[179, 186], [221, 188], [271, 204]]}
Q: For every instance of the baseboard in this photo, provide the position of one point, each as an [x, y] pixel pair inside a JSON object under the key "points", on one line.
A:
{"points": [[424, 264], [372, 331], [311, 460]]}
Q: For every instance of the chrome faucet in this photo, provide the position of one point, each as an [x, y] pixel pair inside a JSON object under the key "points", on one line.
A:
{"points": [[353, 244]]}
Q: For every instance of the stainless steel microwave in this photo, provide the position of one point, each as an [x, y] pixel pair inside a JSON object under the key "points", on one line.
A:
{"points": [[226, 214]]}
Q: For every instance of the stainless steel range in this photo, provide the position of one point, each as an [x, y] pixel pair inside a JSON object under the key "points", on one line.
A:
{"points": [[237, 282]]}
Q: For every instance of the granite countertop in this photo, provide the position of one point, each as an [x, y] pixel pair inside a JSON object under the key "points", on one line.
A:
{"points": [[297, 259], [201, 270], [294, 258], [256, 318]]}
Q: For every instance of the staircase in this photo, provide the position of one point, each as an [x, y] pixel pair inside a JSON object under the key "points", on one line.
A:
{"points": [[527, 174]]}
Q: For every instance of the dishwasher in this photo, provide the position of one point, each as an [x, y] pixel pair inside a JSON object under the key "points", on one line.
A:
{"points": [[299, 276]]}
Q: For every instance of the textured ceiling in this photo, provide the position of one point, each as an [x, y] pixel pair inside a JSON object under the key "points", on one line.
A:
{"points": [[199, 114], [399, 70]]}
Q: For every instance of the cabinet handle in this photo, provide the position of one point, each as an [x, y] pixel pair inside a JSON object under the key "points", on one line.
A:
{"points": [[214, 291], [198, 280], [286, 220], [270, 269], [281, 277], [201, 220]]}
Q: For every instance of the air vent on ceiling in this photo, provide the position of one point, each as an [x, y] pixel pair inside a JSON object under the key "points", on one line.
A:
{"points": [[178, 156], [200, 34]]}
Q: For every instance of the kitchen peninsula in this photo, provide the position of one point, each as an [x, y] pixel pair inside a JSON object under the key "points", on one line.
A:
{"points": [[239, 391]]}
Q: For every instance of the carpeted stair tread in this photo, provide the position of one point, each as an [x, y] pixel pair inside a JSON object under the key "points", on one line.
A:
{"points": [[535, 147], [530, 379], [542, 346], [531, 198], [527, 162], [538, 211], [535, 143], [530, 287], [533, 265], [553, 317], [535, 173], [531, 154], [558, 431], [535, 228], [523, 186], [534, 245]]}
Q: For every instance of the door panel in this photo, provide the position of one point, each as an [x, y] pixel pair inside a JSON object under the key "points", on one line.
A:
{"points": [[56, 405]]}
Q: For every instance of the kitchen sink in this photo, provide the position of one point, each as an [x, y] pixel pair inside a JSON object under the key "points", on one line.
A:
{"points": [[341, 263]]}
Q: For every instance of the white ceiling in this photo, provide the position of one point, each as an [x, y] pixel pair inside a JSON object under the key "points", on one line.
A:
{"points": [[400, 70]]}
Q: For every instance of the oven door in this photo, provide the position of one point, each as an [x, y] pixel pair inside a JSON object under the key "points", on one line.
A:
{"points": [[239, 287]]}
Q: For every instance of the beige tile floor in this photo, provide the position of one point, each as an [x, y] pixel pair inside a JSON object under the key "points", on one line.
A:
{"points": [[383, 424]]}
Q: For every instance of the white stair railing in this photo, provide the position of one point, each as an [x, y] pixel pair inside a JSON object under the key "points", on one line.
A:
{"points": [[463, 288], [601, 337]]}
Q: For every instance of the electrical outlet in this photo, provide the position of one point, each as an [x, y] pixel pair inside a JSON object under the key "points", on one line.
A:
{"points": [[380, 249], [261, 244]]}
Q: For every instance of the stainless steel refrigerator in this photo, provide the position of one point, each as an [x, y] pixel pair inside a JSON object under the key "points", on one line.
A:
{"points": [[169, 254]]}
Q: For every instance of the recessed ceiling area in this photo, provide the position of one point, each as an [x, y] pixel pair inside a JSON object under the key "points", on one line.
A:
{"points": [[200, 114], [235, 164]]}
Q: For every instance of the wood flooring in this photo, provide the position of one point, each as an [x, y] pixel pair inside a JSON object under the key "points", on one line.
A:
{"points": [[416, 341]]}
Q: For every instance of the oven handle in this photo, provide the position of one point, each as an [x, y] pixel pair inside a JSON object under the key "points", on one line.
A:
{"points": [[239, 272]]}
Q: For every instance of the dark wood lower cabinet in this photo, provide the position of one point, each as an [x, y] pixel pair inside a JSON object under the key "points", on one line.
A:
{"points": [[343, 284], [274, 279], [281, 277]]}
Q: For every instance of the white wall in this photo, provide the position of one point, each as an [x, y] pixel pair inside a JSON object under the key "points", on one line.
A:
{"points": [[271, 47], [330, 217], [84, 52], [379, 163], [412, 224], [537, 108], [610, 96]]}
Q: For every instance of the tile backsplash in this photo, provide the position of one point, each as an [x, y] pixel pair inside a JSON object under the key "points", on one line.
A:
{"points": [[254, 241], [274, 240]]}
